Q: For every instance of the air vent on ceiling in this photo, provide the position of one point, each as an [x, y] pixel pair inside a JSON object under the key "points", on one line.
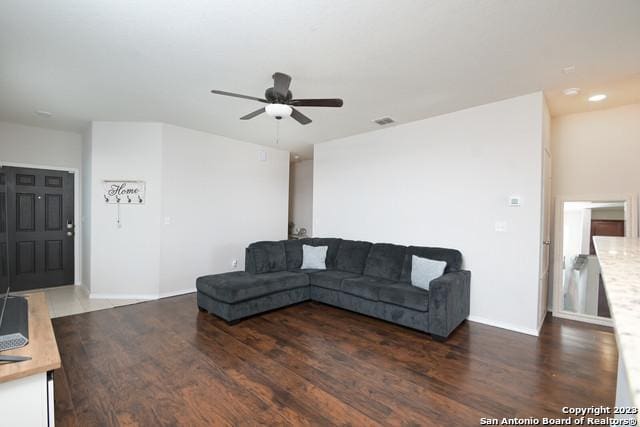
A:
{"points": [[384, 121]]}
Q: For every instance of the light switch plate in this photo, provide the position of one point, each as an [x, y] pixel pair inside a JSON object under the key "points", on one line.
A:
{"points": [[501, 226]]}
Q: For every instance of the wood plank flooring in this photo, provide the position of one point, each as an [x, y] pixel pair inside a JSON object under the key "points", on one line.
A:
{"points": [[165, 363]]}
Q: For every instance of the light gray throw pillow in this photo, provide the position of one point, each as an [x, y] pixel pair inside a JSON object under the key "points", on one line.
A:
{"points": [[314, 257], [424, 270]]}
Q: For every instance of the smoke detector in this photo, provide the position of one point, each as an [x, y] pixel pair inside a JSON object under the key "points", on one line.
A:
{"points": [[383, 121], [572, 91]]}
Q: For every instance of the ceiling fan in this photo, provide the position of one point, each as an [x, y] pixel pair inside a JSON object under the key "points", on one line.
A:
{"points": [[280, 102]]}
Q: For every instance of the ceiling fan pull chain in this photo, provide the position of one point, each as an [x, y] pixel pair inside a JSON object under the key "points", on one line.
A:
{"points": [[277, 132]]}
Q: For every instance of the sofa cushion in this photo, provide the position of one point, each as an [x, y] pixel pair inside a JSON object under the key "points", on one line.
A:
{"points": [[240, 286], [333, 245], [385, 261], [424, 270], [405, 295], [352, 255], [365, 287], [452, 257], [268, 256], [314, 257], [330, 279], [293, 253]]}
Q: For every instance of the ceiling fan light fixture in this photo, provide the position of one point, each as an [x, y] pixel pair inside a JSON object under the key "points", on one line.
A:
{"points": [[278, 110]]}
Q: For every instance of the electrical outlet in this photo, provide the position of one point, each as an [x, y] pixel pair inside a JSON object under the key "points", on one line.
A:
{"points": [[501, 226], [234, 263]]}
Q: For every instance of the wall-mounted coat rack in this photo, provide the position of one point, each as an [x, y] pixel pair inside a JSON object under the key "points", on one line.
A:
{"points": [[123, 192]]}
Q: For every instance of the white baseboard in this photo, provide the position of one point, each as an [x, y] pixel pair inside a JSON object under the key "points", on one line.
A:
{"points": [[546, 313], [94, 295], [504, 325], [176, 293]]}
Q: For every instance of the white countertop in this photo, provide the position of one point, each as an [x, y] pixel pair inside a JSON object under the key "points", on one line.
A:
{"points": [[620, 264]]}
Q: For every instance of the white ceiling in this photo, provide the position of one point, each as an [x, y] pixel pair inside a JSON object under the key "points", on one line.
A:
{"points": [[156, 60]]}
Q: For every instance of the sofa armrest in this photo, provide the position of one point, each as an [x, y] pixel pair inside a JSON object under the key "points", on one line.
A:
{"points": [[449, 301], [249, 261]]}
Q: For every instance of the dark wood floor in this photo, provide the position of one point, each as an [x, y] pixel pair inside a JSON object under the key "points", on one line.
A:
{"points": [[164, 363]]}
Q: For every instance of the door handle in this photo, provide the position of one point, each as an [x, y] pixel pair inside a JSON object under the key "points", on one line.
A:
{"points": [[546, 242], [69, 233]]}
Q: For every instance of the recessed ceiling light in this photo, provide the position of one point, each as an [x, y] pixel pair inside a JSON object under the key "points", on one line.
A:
{"points": [[597, 98], [572, 91], [296, 157], [43, 113]]}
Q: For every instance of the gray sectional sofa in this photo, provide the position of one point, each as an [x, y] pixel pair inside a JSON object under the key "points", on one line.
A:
{"points": [[372, 279]]}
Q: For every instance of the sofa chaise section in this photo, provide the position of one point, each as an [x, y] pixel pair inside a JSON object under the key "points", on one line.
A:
{"points": [[236, 295]]}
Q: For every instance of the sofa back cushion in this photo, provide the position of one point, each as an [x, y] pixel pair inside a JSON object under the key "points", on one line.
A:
{"points": [[293, 252], [452, 257], [385, 261], [268, 257], [352, 256], [332, 251]]}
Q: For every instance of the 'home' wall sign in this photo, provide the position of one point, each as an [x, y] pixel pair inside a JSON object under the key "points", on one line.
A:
{"points": [[124, 192]]}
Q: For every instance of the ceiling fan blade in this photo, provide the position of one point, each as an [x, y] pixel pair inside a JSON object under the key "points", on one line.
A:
{"points": [[237, 95], [281, 83], [252, 115], [329, 102], [299, 117]]}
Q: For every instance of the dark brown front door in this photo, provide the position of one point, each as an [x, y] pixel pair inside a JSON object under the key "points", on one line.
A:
{"points": [[39, 226]]}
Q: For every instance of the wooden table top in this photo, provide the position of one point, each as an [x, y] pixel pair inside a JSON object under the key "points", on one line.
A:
{"points": [[42, 345]]}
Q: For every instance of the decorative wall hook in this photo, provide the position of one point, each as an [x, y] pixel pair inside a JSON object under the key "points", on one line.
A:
{"points": [[116, 191]]}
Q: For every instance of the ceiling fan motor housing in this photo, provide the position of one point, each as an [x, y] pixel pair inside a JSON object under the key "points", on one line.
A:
{"points": [[276, 98]]}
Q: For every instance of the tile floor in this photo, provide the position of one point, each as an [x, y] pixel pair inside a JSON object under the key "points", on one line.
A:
{"points": [[68, 300]]}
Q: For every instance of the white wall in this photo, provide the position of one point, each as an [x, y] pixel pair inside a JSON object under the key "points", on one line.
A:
{"points": [[597, 152], [38, 146], [445, 181], [207, 198], [218, 196], [301, 195], [126, 260], [85, 220]]}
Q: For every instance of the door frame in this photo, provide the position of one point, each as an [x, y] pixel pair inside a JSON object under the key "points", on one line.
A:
{"points": [[631, 230], [77, 212]]}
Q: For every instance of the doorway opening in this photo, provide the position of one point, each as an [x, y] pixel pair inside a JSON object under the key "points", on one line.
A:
{"points": [[579, 289], [300, 199], [37, 228]]}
